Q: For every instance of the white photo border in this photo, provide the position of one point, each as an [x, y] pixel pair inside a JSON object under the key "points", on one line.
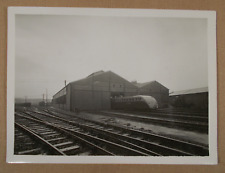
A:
{"points": [[212, 84]]}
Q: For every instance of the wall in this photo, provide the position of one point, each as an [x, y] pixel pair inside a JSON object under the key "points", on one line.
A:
{"points": [[158, 91], [195, 101], [95, 92]]}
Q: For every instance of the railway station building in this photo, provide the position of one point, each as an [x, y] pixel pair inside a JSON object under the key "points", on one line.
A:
{"points": [[193, 98], [96, 91]]}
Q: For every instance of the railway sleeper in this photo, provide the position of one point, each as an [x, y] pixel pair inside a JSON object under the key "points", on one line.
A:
{"points": [[156, 145], [114, 147], [31, 151], [155, 148], [167, 141], [22, 147]]}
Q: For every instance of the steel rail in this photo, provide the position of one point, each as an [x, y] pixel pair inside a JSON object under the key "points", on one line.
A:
{"points": [[160, 148], [185, 112], [103, 151], [125, 149], [40, 139], [163, 114], [113, 136], [112, 144], [151, 119], [167, 141]]}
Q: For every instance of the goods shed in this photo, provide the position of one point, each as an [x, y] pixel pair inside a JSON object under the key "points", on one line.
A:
{"points": [[156, 90], [93, 92], [192, 98]]}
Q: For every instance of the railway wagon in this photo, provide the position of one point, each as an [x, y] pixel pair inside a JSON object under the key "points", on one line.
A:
{"points": [[139, 102]]}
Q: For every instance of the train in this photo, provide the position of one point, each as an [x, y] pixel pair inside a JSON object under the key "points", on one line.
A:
{"points": [[135, 103]]}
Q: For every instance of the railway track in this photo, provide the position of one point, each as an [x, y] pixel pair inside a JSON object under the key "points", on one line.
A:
{"points": [[56, 141], [167, 115], [32, 147], [192, 123], [110, 146], [182, 111], [116, 146], [147, 143]]}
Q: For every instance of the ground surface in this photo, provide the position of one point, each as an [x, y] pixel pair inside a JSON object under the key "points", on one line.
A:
{"points": [[167, 131]]}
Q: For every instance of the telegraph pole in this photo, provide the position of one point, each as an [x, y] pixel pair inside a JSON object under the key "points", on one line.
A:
{"points": [[65, 93], [46, 96]]}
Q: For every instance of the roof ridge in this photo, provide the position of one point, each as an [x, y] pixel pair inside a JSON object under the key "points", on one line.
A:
{"points": [[96, 73], [190, 91]]}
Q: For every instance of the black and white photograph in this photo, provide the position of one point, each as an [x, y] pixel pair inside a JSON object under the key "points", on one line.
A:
{"points": [[97, 85]]}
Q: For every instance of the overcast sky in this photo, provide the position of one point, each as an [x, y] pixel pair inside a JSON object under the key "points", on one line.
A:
{"points": [[51, 49]]}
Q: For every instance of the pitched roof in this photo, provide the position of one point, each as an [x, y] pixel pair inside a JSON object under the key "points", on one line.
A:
{"points": [[89, 76], [190, 91], [99, 73], [143, 84], [96, 73], [140, 85]]}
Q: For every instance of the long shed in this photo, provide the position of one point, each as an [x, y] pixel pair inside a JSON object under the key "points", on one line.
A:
{"points": [[193, 98], [156, 90], [94, 92]]}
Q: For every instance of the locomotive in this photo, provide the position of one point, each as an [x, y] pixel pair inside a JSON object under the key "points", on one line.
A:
{"points": [[139, 103]]}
